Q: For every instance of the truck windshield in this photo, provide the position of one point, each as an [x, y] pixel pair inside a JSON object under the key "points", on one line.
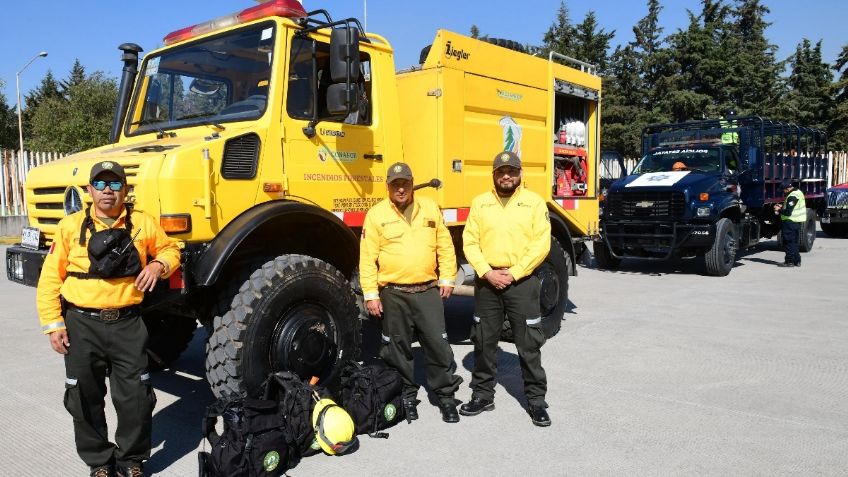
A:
{"points": [[220, 79], [680, 159]]}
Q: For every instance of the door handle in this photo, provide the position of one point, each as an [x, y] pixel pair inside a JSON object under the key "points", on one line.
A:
{"points": [[374, 157]]}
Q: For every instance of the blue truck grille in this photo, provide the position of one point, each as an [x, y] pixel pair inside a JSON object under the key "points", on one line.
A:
{"points": [[641, 204], [837, 198]]}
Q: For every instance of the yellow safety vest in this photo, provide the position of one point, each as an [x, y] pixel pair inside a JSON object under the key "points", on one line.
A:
{"points": [[799, 213]]}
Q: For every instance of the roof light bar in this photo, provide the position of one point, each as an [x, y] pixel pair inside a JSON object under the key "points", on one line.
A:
{"points": [[270, 8]]}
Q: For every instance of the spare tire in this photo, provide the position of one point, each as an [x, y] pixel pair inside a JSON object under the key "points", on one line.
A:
{"points": [[508, 44]]}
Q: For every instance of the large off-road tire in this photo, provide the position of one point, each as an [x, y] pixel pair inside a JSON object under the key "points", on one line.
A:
{"points": [[721, 256], [295, 313], [808, 232], [553, 291], [169, 335], [835, 230], [603, 256]]}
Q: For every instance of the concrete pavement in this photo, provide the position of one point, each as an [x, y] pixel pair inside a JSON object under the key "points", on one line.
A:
{"points": [[658, 370]]}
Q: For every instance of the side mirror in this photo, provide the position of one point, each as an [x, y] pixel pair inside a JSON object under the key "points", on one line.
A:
{"points": [[342, 100], [344, 55]]}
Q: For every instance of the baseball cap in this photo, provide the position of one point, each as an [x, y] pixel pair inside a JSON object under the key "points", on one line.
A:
{"points": [[108, 166], [506, 158], [787, 183], [399, 170]]}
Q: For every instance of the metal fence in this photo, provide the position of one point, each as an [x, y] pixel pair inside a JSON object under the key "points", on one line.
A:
{"points": [[14, 168]]}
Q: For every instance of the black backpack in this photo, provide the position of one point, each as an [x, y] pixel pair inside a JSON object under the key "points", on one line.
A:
{"points": [[254, 441], [296, 401], [373, 396]]}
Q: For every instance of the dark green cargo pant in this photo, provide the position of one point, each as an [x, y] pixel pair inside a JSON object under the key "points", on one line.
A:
{"points": [[116, 348], [520, 303], [404, 314]]}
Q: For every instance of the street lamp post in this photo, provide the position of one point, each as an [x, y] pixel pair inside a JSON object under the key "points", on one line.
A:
{"points": [[18, 92]]}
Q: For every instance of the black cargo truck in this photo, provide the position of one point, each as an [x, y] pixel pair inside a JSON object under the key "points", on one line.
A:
{"points": [[707, 189]]}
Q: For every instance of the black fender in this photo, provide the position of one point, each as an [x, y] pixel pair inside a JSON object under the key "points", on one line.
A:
{"points": [[559, 229], [256, 222]]}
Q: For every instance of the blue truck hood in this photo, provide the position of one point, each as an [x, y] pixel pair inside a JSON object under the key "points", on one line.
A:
{"points": [[693, 181]]}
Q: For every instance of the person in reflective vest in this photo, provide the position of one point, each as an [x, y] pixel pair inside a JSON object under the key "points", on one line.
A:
{"points": [[793, 213], [729, 121]]}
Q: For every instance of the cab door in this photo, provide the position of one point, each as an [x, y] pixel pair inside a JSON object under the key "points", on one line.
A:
{"points": [[336, 162]]}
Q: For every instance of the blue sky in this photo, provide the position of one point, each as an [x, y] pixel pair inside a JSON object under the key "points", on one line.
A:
{"points": [[91, 30]]}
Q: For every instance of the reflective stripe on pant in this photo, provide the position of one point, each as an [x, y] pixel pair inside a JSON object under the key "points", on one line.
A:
{"points": [[404, 315], [116, 348], [791, 238], [520, 303]]}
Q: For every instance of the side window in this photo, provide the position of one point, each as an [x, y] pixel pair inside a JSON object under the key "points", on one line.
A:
{"points": [[732, 160], [309, 78]]}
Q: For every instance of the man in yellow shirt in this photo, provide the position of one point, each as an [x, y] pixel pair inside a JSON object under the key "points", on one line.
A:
{"points": [[101, 263], [404, 239], [507, 235]]}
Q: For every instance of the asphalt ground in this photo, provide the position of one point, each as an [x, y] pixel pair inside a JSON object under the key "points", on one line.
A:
{"points": [[658, 370]]}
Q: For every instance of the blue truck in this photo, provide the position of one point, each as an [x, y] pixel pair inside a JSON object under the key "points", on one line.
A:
{"points": [[707, 189]]}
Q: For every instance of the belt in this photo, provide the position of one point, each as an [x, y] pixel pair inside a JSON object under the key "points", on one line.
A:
{"points": [[413, 287], [107, 314]]}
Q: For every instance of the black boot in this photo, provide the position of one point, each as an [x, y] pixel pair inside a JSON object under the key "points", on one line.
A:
{"points": [[476, 406], [411, 408], [539, 416], [449, 413]]}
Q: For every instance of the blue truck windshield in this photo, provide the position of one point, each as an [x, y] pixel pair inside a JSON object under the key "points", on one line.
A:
{"points": [[220, 79], [680, 159]]}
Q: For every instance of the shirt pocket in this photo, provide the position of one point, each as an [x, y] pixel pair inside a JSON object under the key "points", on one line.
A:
{"points": [[393, 232]]}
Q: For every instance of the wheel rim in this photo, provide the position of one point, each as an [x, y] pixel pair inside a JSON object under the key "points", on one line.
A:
{"points": [[305, 342], [548, 289]]}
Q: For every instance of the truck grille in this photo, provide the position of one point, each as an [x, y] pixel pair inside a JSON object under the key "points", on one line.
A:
{"points": [[639, 204], [837, 198]]}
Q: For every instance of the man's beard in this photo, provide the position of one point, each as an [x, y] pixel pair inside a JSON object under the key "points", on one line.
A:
{"points": [[509, 190]]}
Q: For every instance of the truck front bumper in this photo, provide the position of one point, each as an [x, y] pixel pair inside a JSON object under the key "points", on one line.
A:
{"points": [[834, 216], [23, 265], [654, 240]]}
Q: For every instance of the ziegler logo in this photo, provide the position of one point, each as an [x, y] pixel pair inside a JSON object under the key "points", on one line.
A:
{"points": [[458, 54], [332, 132]]}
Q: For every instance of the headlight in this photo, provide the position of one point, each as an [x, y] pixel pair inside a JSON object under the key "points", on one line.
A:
{"points": [[703, 211]]}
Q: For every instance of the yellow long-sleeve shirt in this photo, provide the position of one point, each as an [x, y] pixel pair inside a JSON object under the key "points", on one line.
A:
{"points": [[516, 236], [393, 250], [67, 255]]}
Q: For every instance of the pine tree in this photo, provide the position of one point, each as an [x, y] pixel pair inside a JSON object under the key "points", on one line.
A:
{"points": [[75, 77], [47, 90], [636, 85], [591, 43], [560, 36], [809, 100], [838, 129], [83, 120], [758, 85], [8, 123], [475, 32]]}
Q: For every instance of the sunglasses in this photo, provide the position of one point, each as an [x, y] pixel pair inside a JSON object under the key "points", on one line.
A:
{"points": [[116, 186]]}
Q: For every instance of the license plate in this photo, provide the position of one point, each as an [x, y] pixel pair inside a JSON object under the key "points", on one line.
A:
{"points": [[30, 237], [825, 220]]}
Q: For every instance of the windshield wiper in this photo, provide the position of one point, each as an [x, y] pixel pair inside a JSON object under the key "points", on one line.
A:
{"points": [[207, 122], [160, 133]]}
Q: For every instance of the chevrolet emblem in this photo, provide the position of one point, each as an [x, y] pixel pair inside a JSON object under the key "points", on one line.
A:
{"points": [[644, 204]]}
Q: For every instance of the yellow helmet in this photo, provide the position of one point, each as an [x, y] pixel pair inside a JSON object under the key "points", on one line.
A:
{"points": [[334, 429]]}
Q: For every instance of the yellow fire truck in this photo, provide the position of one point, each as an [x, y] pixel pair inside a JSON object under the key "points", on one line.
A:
{"points": [[261, 138]]}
